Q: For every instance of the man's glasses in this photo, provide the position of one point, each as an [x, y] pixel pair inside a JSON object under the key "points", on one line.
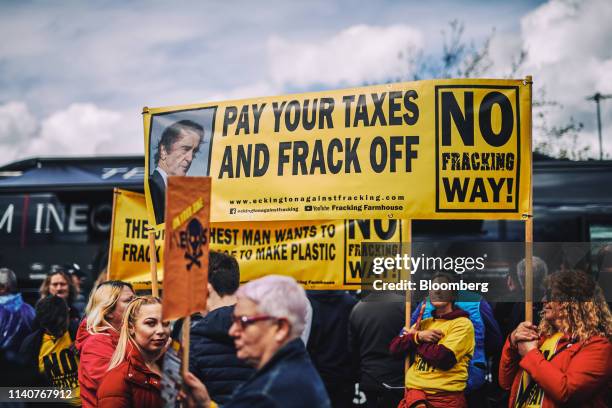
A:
{"points": [[246, 321]]}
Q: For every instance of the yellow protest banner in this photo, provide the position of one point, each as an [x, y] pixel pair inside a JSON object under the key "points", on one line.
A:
{"points": [[319, 254], [435, 149], [128, 256]]}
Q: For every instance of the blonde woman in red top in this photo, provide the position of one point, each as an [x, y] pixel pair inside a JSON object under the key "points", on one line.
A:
{"points": [[134, 376]]}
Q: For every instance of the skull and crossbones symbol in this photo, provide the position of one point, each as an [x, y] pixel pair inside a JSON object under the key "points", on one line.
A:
{"points": [[195, 239]]}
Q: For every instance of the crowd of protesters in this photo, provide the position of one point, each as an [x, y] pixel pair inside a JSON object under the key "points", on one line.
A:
{"points": [[269, 343]]}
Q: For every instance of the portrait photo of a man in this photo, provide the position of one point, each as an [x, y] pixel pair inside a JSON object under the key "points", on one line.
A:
{"points": [[178, 147]]}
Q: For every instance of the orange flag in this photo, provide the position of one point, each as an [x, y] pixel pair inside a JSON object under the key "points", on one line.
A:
{"points": [[186, 246]]}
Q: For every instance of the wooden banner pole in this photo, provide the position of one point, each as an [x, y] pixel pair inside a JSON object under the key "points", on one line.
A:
{"points": [[185, 336], [112, 236], [409, 277], [529, 221], [408, 292], [529, 269], [153, 263]]}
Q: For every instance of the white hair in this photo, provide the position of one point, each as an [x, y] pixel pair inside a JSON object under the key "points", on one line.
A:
{"points": [[8, 279], [278, 296]]}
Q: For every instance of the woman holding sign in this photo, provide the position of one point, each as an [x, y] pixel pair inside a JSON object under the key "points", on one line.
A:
{"points": [[567, 359], [134, 376]]}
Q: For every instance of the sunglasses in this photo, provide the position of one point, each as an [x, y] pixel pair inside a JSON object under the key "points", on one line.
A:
{"points": [[245, 321]]}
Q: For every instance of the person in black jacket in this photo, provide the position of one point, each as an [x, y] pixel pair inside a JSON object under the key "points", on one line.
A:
{"points": [[269, 317], [373, 323], [50, 350], [327, 343], [212, 352]]}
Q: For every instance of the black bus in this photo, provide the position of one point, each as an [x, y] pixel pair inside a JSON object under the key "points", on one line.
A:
{"points": [[57, 211]]}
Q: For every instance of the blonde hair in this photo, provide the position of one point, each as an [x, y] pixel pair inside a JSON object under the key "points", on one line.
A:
{"points": [[102, 301], [584, 312], [126, 338]]}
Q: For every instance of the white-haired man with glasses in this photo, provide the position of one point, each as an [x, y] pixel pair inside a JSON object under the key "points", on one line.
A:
{"points": [[268, 320]]}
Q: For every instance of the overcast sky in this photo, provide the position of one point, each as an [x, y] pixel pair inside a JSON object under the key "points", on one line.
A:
{"points": [[74, 76]]}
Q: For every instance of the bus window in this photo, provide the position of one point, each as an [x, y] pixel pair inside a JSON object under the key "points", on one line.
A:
{"points": [[600, 232], [601, 251]]}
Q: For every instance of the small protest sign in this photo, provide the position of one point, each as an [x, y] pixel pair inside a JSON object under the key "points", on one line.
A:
{"points": [[186, 246]]}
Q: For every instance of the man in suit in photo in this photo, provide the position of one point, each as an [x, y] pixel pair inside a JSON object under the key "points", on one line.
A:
{"points": [[177, 147]]}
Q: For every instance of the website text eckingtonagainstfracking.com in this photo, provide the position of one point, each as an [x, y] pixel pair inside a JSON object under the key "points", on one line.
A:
{"points": [[457, 265]]}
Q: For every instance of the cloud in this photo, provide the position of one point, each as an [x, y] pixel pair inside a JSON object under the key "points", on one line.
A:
{"points": [[351, 57], [84, 129], [255, 90], [80, 129], [17, 123], [17, 126], [68, 65], [561, 29], [569, 55], [118, 56]]}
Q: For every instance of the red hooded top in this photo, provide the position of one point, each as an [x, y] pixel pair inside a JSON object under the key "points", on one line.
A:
{"points": [[95, 351], [130, 384], [579, 376]]}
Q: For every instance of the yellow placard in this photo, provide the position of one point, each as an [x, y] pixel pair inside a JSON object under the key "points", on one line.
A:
{"points": [[128, 256], [318, 254], [435, 149]]}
